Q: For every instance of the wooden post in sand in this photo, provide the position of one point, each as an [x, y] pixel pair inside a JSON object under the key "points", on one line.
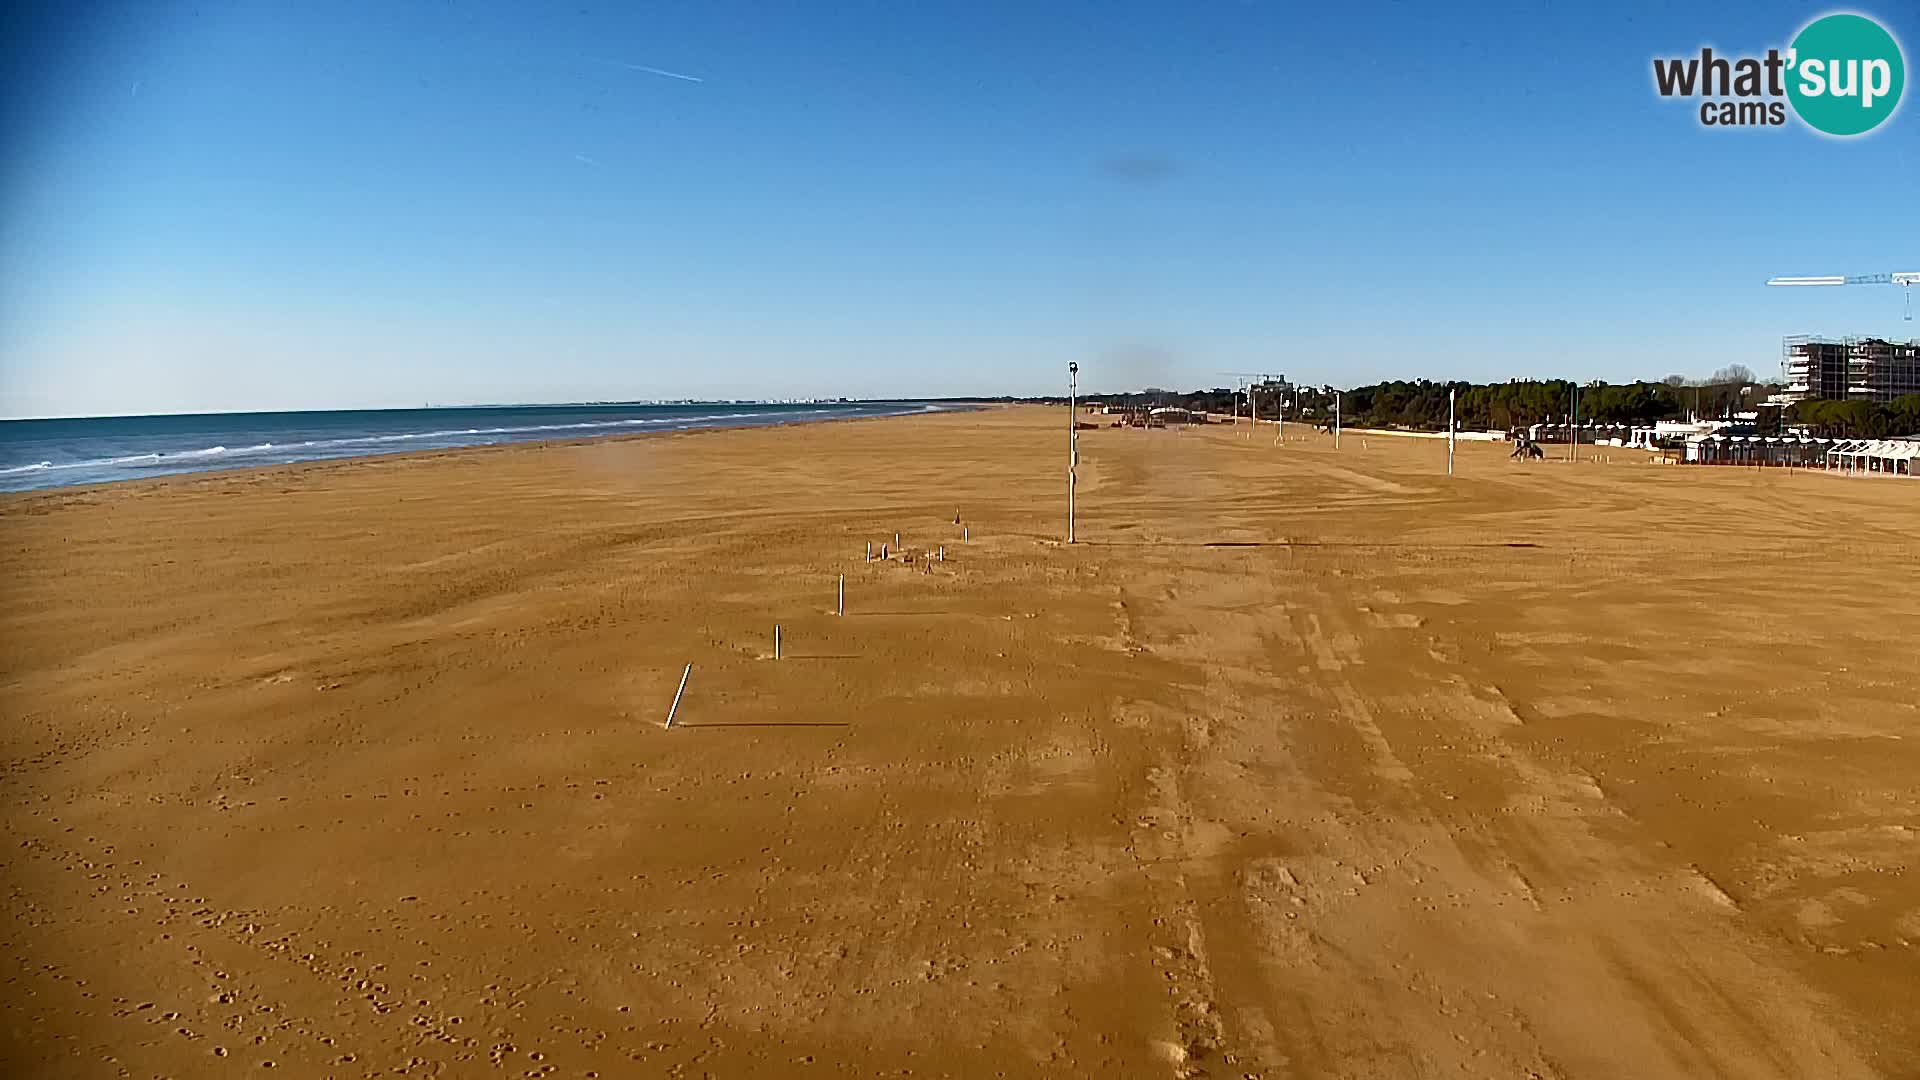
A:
{"points": [[676, 696], [842, 609], [776, 641], [967, 533], [869, 551]]}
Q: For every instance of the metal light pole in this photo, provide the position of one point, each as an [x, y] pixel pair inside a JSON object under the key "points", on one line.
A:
{"points": [[1073, 440], [1573, 447], [1450, 431]]}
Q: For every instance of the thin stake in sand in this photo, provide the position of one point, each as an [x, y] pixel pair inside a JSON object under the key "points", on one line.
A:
{"points": [[676, 696], [842, 609], [776, 641]]}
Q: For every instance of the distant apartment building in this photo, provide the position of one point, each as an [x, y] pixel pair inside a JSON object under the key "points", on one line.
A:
{"points": [[1850, 369]]}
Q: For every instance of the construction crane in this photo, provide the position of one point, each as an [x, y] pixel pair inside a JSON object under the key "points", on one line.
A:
{"points": [[1251, 379], [1906, 282]]}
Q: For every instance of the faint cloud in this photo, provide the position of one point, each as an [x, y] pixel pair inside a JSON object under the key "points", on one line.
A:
{"points": [[585, 160], [1142, 169]]}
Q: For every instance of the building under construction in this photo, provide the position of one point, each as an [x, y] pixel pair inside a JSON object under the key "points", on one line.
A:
{"points": [[1849, 369]]}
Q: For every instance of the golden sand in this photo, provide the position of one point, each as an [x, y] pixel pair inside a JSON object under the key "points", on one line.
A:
{"points": [[1304, 763]]}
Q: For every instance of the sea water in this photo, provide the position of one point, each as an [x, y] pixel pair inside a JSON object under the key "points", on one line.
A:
{"points": [[91, 450]]}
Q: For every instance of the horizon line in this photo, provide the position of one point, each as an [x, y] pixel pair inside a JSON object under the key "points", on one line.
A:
{"points": [[630, 402]]}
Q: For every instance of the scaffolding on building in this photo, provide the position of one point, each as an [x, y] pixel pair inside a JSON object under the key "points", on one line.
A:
{"points": [[1849, 369], [1882, 370]]}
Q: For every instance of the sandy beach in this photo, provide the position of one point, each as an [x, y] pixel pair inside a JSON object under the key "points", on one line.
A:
{"points": [[1304, 763]]}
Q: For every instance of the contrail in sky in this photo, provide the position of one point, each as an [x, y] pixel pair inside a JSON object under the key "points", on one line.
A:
{"points": [[655, 71], [658, 71], [585, 160]]}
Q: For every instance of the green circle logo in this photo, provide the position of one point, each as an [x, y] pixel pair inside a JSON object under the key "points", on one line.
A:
{"points": [[1847, 74]]}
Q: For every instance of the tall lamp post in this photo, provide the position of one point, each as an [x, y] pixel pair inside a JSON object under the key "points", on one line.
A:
{"points": [[1073, 440], [1573, 448]]}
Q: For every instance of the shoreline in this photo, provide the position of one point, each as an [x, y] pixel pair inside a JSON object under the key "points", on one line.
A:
{"points": [[291, 468]]}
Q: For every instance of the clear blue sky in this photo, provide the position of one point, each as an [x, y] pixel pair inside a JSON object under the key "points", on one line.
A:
{"points": [[230, 205]]}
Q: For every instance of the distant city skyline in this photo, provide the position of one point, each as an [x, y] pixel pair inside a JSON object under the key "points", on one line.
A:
{"points": [[224, 207]]}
